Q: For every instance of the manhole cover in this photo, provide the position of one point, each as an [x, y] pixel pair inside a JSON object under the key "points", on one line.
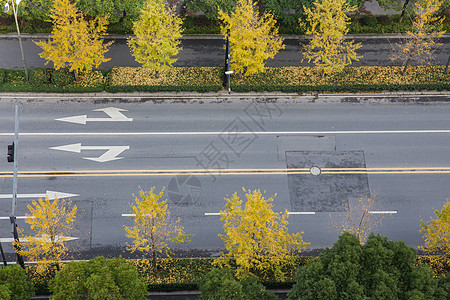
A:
{"points": [[315, 171]]}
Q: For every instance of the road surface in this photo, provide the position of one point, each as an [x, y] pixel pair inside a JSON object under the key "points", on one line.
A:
{"points": [[318, 154]]}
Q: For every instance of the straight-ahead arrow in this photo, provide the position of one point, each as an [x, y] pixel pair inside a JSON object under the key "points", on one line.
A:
{"points": [[50, 194], [109, 155], [114, 114]]}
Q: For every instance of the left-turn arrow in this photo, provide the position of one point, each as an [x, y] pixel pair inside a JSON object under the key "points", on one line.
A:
{"points": [[50, 194], [109, 155]]}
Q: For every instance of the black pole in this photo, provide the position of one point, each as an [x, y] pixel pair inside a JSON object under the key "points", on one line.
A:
{"points": [[16, 244], [227, 59], [446, 67], [3, 255]]}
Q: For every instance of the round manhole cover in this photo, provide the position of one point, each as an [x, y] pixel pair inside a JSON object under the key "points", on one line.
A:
{"points": [[315, 171]]}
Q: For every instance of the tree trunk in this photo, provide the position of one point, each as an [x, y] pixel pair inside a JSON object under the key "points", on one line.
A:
{"points": [[154, 261], [75, 72], [406, 65], [157, 74], [403, 11]]}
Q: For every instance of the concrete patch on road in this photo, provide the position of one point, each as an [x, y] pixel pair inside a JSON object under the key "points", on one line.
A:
{"points": [[321, 192]]}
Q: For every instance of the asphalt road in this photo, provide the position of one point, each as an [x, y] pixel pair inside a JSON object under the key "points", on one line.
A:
{"points": [[202, 149], [208, 51]]}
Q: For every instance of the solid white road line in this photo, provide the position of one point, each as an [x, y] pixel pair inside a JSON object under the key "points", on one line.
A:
{"points": [[383, 212], [440, 131]]}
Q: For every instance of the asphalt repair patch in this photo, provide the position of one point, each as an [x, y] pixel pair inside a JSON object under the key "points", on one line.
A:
{"points": [[319, 192]]}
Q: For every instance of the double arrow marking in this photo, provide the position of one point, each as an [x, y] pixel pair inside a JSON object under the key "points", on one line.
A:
{"points": [[114, 114], [109, 155], [50, 194]]}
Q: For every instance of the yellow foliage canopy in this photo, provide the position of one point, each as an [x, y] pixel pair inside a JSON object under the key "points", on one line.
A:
{"points": [[153, 229], [253, 38], [157, 36], [256, 236], [328, 23], [420, 42], [52, 222], [436, 233], [74, 42]]}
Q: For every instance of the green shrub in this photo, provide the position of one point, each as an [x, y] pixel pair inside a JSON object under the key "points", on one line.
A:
{"points": [[98, 278], [368, 20], [221, 284], [379, 269], [14, 279], [5, 293], [39, 76], [62, 77], [383, 20]]}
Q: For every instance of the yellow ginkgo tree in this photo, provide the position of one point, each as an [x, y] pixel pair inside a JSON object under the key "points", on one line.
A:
{"points": [[327, 22], [157, 31], [74, 43], [153, 230], [420, 42], [256, 237], [436, 233], [52, 222], [253, 38]]}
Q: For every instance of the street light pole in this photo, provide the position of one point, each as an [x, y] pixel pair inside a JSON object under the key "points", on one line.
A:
{"points": [[15, 10], [12, 218]]}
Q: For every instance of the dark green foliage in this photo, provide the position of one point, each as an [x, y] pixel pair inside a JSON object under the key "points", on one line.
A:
{"points": [[39, 76], [62, 77], [380, 269], [443, 290], [221, 284], [98, 278], [5, 293], [14, 281], [383, 20], [368, 20]]}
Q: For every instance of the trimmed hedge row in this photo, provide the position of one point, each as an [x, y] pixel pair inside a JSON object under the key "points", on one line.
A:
{"points": [[210, 79]]}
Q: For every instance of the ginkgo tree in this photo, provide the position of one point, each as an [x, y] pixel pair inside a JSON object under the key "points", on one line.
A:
{"points": [[255, 236], [253, 38], [52, 222], [420, 42], [328, 24], [153, 229], [74, 42], [157, 36], [436, 233]]}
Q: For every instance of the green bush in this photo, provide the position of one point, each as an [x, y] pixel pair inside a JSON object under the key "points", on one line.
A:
{"points": [[221, 284], [384, 20], [62, 77], [14, 280], [5, 293], [39, 76], [368, 20], [98, 278], [379, 269]]}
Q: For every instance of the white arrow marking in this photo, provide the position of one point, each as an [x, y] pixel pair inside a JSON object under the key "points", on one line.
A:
{"points": [[10, 240], [114, 114], [50, 194], [110, 154]]}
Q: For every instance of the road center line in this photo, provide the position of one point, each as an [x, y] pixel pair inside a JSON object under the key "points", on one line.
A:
{"points": [[440, 131], [202, 172]]}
